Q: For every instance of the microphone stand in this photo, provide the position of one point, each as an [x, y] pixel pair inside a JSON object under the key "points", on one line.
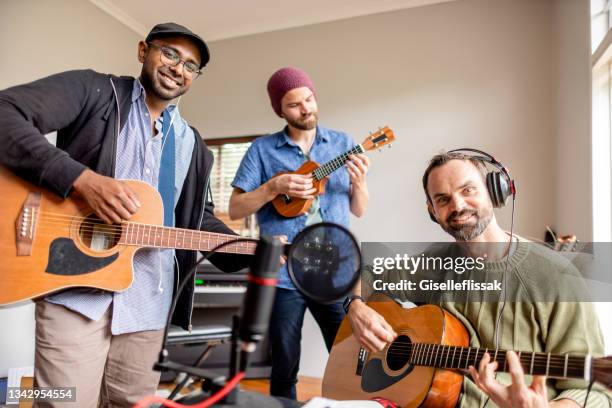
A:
{"points": [[212, 381], [239, 349]]}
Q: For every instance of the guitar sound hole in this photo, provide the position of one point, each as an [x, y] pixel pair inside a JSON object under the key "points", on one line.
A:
{"points": [[98, 236], [398, 354]]}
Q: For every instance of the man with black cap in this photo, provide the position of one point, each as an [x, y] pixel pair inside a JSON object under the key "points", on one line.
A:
{"points": [[110, 128], [293, 98]]}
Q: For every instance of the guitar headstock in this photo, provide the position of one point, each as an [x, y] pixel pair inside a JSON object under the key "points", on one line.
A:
{"points": [[378, 139], [602, 371]]}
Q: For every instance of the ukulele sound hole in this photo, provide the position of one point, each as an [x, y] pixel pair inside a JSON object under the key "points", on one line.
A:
{"points": [[398, 354], [98, 236]]}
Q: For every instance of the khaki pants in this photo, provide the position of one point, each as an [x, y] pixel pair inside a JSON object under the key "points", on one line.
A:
{"points": [[107, 370]]}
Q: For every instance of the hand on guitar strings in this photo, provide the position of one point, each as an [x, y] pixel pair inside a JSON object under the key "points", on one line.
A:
{"points": [[294, 185], [516, 394], [357, 166], [369, 327], [112, 200]]}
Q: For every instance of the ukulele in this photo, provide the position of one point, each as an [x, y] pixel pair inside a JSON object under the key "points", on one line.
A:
{"points": [[421, 367], [289, 207]]}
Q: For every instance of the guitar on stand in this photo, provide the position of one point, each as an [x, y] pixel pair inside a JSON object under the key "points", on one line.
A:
{"points": [[294, 206], [422, 366]]}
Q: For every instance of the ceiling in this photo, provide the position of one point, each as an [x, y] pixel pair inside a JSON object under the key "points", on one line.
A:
{"points": [[223, 19]]}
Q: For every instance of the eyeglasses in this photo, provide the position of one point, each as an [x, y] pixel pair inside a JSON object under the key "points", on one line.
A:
{"points": [[171, 58]]}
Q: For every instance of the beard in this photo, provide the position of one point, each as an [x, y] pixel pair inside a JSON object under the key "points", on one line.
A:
{"points": [[307, 122], [465, 231], [152, 83]]}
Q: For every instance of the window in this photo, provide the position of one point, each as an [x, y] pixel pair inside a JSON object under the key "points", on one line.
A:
{"points": [[601, 38], [228, 153], [601, 59], [601, 21]]}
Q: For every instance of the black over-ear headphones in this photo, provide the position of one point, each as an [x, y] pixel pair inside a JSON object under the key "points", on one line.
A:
{"points": [[499, 183]]}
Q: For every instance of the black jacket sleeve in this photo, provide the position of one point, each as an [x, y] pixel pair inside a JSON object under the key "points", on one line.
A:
{"points": [[27, 113], [225, 262]]}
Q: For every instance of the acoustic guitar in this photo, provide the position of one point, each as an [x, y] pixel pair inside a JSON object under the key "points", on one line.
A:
{"points": [[422, 366], [288, 206], [49, 244]]}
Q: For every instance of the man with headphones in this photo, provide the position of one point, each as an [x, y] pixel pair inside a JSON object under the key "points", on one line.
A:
{"points": [[461, 194]]}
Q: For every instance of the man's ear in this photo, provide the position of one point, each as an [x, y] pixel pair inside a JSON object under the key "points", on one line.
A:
{"points": [[431, 212], [142, 51]]}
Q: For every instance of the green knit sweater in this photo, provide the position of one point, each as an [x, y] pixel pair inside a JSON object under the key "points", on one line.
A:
{"points": [[529, 324]]}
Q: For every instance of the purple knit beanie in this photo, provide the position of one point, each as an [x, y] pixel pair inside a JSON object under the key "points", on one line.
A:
{"points": [[284, 80]]}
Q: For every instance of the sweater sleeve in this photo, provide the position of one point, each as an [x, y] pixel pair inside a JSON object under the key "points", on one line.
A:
{"points": [[27, 113], [573, 328]]}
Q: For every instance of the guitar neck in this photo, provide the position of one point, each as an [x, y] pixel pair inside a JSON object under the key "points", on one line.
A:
{"points": [[146, 235], [551, 365], [334, 164]]}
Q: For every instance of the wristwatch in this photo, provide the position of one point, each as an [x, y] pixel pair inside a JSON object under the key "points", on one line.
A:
{"points": [[347, 302]]}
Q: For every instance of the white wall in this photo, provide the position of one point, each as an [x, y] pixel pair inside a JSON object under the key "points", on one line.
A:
{"points": [[44, 37], [572, 97]]}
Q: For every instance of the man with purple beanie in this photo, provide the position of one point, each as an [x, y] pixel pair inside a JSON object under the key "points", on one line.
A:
{"points": [[293, 98]]}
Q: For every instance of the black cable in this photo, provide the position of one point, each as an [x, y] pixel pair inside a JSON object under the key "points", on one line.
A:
{"points": [[587, 394], [504, 283], [188, 277], [504, 277]]}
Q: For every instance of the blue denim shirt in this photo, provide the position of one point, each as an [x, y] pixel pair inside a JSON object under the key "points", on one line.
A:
{"points": [[275, 153]]}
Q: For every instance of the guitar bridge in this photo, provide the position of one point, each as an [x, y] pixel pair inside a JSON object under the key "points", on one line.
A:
{"points": [[25, 226]]}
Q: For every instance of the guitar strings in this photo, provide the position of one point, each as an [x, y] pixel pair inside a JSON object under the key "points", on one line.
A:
{"points": [[429, 349], [141, 237], [60, 219], [47, 221], [575, 360], [539, 360]]}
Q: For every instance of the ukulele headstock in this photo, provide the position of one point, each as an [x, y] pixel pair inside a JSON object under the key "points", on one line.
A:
{"points": [[378, 139]]}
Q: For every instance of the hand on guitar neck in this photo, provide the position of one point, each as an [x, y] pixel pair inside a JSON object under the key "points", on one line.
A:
{"points": [[517, 394], [112, 200], [357, 167]]}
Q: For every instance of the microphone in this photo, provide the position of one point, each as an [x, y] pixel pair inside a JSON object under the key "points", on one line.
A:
{"points": [[261, 289]]}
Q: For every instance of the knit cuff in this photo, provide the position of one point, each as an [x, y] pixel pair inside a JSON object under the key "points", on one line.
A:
{"points": [[596, 399]]}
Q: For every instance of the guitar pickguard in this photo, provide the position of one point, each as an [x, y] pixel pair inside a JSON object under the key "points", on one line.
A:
{"points": [[374, 378], [66, 259]]}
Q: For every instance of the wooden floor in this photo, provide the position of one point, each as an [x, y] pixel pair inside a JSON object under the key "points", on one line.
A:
{"points": [[307, 387]]}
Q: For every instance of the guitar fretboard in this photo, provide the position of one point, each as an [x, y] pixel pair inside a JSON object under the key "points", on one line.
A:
{"points": [[534, 363], [334, 164], [165, 237]]}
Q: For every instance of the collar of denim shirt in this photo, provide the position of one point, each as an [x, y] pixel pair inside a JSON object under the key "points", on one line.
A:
{"points": [[283, 138]]}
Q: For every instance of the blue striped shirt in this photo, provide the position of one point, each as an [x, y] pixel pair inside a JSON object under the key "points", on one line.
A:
{"points": [[145, 305]]}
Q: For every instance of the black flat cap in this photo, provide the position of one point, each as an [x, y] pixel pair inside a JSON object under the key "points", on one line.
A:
{"points": [[173, 29]]}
